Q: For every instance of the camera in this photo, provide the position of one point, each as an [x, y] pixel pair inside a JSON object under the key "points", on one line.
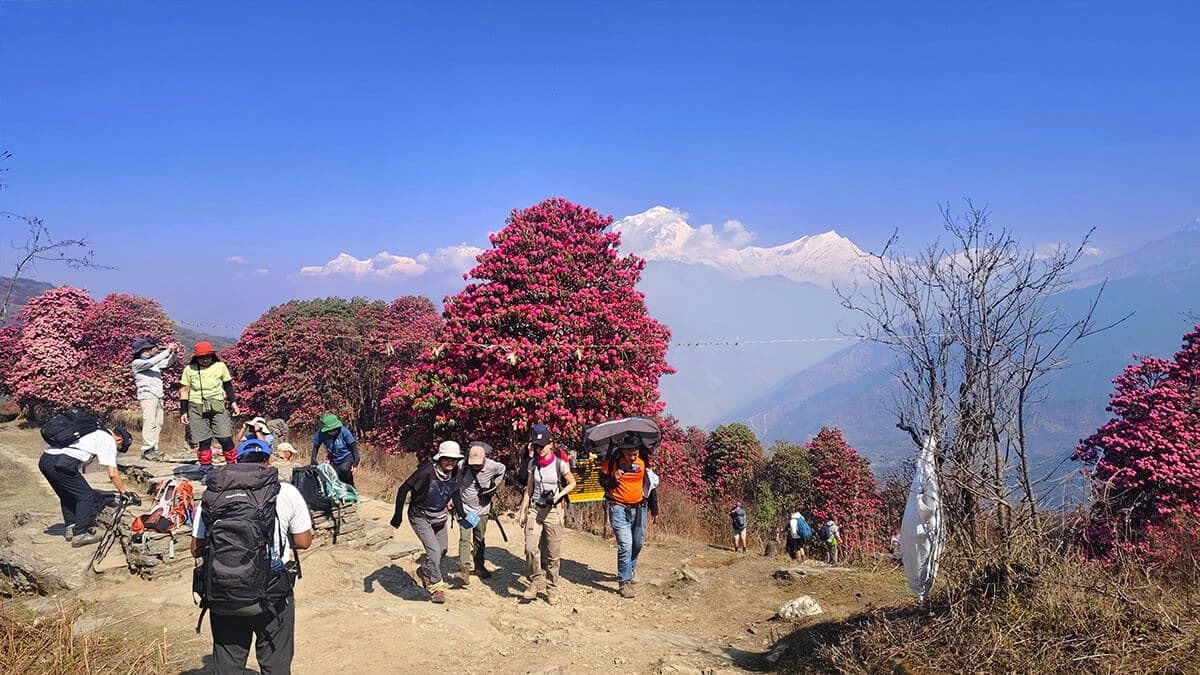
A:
{"points": [[545, 499]]}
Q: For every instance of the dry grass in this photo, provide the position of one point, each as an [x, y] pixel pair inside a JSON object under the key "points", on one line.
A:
{"points": [[380, 473], [32, 643], [1066, 616]]}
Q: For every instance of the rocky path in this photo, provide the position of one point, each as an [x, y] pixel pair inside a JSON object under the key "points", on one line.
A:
{"points": [[699, 609]]}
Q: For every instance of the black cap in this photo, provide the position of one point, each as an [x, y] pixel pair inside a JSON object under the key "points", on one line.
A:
{"points": [[540, 435], [126, 439]]}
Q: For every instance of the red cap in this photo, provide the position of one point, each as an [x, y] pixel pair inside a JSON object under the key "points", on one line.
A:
{"points": [[203, 349]]}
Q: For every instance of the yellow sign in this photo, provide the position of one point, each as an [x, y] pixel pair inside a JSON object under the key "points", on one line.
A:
{"points": [[587, 482]]}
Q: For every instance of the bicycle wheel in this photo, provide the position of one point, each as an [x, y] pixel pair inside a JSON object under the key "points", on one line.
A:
{"points": [[106, 542]]}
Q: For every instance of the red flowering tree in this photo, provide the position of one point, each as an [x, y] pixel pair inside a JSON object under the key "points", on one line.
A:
{"points": [[681, 459], [550, 329], [844, 490], [1145, 461], [733, 461], [305, 358], [70, 350]]}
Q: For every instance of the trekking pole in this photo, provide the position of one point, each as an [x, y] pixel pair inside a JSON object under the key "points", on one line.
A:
{"points": [[503, 534]]}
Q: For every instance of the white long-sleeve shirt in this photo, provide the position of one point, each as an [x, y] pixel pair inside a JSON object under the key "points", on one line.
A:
{"points": [[147, 374]]}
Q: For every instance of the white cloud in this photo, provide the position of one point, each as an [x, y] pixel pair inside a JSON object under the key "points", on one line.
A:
{"points": [[384, 265], [262, 271], [236, 260]]}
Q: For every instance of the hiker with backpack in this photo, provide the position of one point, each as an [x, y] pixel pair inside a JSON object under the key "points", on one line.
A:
{"points": [[147, 369], [432, 488], [205, 402], [628, 494], [75, 438], [799, 531], [737, 520], [832, 535], [247, 526], [341, 448], [479, 478], [541, 513]]}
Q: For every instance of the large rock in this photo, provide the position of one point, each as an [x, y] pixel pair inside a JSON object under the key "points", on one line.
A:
{"points": [[799, 608]]}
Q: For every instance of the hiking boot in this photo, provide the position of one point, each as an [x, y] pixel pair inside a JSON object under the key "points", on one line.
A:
{"points": [[85, 538], [152, 455], [483, 574], [626, 590], [531, 592], [69, 532], [438, 597], [551, 596], [465, 574]]}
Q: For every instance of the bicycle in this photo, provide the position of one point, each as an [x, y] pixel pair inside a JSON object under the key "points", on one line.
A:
{"points": [[113, 530]]}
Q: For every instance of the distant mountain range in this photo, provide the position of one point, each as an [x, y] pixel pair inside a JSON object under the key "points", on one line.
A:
{"points": [[1156, 287], [24, 289]]}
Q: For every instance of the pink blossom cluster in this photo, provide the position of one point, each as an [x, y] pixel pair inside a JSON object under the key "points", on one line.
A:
{"points": [[844, 489], [68, 350], [551, 329], [305, 358], [1145, 461]]}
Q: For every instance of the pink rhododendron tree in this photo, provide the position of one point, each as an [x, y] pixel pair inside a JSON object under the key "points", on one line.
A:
{"points": [[305, 358], [551, 329], [1145, 461], [733, 461], [844, 490], [69, 350], [681, 458]]}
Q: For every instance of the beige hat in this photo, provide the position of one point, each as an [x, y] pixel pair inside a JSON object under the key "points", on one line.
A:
{"points": [[448, 449], [476, 454]]}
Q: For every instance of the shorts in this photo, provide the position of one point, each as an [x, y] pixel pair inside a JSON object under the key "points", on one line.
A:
{"points": [[739, 533], [205, 426]]}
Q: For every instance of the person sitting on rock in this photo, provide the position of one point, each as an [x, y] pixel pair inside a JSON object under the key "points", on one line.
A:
{"points": [[79, 502], [341, 449], [257, 428]]}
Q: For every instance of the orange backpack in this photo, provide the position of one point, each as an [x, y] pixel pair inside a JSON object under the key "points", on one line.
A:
{"points": [[173, 506]]}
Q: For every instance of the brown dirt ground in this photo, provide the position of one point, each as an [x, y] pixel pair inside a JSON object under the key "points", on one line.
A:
{"points": [[359, 612]]}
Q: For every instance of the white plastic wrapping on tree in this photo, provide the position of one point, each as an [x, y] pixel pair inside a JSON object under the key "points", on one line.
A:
{"points": [[921, 532]]}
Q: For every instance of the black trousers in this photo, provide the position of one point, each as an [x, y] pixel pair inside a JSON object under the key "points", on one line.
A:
{"points": [[273, 632], [79, 502], [344, 472]]}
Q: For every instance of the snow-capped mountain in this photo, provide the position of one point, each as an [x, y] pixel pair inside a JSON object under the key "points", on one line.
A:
{"points": [[664, 234]]}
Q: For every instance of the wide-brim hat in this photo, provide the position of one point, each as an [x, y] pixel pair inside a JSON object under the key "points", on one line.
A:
{"points": [[448, 449], [204, 348], [330, 422], [260, 423]]}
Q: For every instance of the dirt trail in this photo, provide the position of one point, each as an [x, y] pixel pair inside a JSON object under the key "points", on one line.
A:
{"points": [[359, 611]]}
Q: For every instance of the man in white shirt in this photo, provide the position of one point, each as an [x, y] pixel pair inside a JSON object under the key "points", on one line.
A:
{"points": [[273, 630], [62, 468]]}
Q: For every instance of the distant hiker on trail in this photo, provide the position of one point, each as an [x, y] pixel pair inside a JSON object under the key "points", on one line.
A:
{"points": [[205, 402], [247, 509], [737, 519], [799, 531], [432, 488], [627, 496], [479, 478], [541, 513], [257, 428], [76, 438], [832, 535], [147, 369], [340, 447]]}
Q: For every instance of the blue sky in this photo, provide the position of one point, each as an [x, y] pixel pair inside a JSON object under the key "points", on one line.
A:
{"points": [[177, 135]]}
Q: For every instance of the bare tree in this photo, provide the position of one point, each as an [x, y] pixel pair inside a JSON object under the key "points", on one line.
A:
{"points": [[975, 328], [40, 245]]}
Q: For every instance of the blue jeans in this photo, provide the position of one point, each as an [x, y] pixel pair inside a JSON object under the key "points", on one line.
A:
{"points": [[629, 526]]}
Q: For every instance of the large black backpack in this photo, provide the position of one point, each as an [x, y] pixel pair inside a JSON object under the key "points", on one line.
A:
{"points": [[66, 427], [238, 510], [307, 479]]}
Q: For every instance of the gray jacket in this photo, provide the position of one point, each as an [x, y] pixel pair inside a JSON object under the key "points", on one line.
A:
{"points": [[147, 374]]}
